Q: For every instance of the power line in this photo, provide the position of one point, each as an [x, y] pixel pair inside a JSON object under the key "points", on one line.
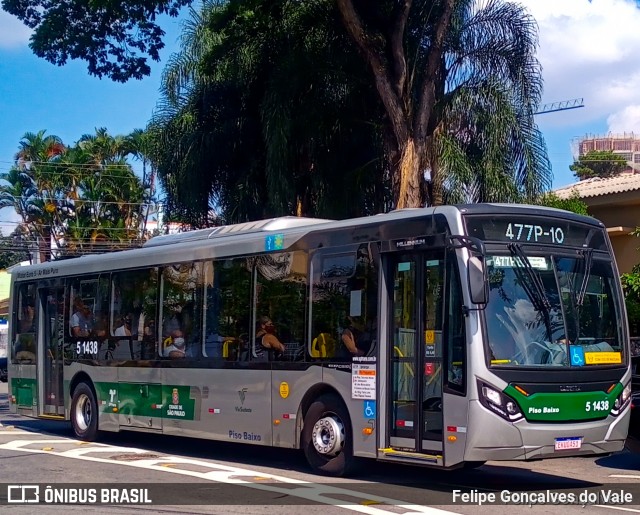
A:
{"points": [[66, 164], [83, 201]]}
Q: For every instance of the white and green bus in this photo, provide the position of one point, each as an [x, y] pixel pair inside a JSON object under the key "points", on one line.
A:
{"points": [[477, 332]]}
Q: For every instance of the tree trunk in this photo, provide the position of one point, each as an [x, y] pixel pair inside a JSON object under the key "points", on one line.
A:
{"points": [[410, 179]]}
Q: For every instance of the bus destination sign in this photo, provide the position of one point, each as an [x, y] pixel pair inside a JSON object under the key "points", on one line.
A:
{"points": [[543, 231]]}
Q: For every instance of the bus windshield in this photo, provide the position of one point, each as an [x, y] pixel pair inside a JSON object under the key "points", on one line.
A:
{"points": [[552, 311]]}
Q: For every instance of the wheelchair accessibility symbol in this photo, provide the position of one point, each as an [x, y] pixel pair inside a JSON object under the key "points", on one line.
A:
{"points": [[369, 409], [577, 356]]}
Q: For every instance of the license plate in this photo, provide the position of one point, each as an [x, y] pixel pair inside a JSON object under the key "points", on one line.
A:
{"points": [[568, 443]]}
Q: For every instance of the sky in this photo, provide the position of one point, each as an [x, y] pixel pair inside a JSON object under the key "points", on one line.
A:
{"points": [[588, 50]]}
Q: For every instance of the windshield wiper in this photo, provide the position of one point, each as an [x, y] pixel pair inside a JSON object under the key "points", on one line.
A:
{"points": [[588, 261], [534, 286]]}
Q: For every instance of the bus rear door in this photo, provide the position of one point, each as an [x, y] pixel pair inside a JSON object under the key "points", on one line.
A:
{"points": [[51, 337]]}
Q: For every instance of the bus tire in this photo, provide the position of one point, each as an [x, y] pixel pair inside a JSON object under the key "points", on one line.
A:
{"points": [[84, 413], [327, 438]]}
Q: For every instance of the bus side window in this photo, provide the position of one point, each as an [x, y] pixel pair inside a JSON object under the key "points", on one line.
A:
{"points": [[281, 297], [24, 346], [226, 312], [344, 302]]}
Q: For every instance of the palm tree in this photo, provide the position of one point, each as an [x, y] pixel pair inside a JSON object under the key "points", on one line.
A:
{"points": [[107, 194], [460, 83], [259, 117], [36, 164]]}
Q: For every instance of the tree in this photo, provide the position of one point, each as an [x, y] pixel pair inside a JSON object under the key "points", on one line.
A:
{"points": [[264, 92], [456, 81], [113, 37], [573, 203], [260, 118], [83, 198], [598, 163], [460, 83], [14, 249]]}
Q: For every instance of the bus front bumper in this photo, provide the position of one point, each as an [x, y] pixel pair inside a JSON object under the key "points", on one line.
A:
{"points": [[527, 441]]}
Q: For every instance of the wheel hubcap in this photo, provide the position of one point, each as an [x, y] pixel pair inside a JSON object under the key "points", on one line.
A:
{"points": [[83, 412], [328, 435]]}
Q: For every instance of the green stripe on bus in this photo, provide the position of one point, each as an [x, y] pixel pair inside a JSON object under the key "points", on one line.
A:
{"points": [[146, 400], [565, 406]]}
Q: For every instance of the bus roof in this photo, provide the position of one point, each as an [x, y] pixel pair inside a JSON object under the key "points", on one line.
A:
{"points": [[249, 238], [270, 224]]}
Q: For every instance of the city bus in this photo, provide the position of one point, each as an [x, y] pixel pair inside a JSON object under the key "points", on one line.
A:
{"points": [[475, 333]]}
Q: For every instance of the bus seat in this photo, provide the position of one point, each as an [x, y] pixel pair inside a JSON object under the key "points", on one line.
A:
{"points": [[166, 343], [230, 349], [408, 369], [323, 346]]}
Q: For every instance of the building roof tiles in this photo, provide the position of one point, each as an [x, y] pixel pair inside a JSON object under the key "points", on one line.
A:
{"points": [[599, 186]]}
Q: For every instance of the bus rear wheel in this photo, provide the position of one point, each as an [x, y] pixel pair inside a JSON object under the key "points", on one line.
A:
{"points": [[327, 438], [84, 413]]}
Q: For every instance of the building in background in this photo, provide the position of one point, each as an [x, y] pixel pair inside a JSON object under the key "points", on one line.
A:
{"points": [[615, 201], [626, 145]]}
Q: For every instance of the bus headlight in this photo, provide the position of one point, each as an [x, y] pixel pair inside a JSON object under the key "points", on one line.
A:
{"points": [[622, 400], [499, 403]]}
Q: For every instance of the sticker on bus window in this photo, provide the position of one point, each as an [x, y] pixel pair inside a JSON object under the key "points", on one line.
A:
{"points": [[602, 358], [577, 355]]}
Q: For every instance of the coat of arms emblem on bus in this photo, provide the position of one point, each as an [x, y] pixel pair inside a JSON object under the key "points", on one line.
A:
{"points": [[175, 398]]}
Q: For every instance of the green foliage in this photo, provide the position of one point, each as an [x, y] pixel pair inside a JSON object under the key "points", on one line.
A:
{"points": [[631, 286], [114, 38], [269, 109], [13, 249], [574, 203], [83, 198], [598, 163], [261, 116]]}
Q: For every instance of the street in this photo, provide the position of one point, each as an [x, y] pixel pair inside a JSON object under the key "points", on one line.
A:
{"points": [[199, 476]]}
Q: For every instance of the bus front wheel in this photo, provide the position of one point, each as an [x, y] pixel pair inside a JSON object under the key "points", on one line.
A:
{"points": [[327, 438], [84, 413]]}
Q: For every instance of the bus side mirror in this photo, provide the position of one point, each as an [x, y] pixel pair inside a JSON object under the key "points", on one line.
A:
{"points": [[477, 280]]}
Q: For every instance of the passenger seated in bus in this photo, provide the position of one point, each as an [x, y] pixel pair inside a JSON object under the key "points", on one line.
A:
{"points": [[81, 320], [175, 345], [122, 349], [266, 339], [356, 341]]}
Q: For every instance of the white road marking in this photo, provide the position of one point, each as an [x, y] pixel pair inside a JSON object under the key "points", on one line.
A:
{"points": [[316, 492], [616, 508], [625, 476]]}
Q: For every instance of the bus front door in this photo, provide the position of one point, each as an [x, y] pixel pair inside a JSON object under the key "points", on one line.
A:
{"points": [[51, 333], [416, 356]]}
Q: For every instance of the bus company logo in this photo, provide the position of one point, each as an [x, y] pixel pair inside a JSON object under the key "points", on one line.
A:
{"points": [[243, 395], [175, 398], [23, 494], [410, 243], [570, 388]]}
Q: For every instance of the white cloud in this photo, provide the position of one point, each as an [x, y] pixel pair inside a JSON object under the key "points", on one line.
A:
{"points": [[589, 50], [626, 120], [13, 33]]}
